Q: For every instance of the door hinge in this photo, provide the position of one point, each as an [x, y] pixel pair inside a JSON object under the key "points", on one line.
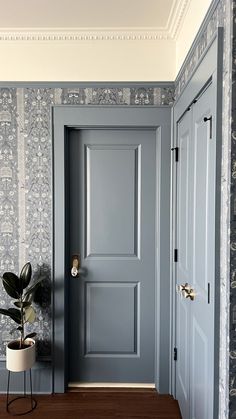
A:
{"points": [[175, 354], [210, 120], [176, 150], [175, 255]]}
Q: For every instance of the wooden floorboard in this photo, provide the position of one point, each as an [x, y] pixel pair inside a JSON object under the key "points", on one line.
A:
{"points": [[100, 404]]}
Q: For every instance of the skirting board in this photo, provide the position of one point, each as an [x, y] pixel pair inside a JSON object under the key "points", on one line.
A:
{"points": [[111, 385]]}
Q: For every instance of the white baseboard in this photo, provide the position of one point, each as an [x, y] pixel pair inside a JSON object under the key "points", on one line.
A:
{"points": [[112, 385]]}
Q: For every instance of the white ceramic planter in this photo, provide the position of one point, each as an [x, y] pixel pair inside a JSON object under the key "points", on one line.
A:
{"points": [[20, 359]]}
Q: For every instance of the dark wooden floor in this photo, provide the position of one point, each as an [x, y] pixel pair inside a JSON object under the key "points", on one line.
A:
{"points": [[100, 404]]}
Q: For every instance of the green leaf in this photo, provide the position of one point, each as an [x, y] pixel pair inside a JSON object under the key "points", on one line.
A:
{"points": [[11, 284], [29, 315], [5, 312], [15, 312], [30, 335], [22, 304], [25, 275], [33, 288], [10, 313]]}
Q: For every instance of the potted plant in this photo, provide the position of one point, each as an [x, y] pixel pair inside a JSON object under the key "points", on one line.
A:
{"points": [[20, 353]]}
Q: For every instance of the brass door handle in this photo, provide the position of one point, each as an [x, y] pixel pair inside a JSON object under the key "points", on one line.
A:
{"points": [[75, 270], [191, 294], [186, 291], [183, 289]]}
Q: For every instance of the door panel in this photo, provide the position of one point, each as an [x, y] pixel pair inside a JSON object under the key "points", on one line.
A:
{"points": [[112, 226], [119, 332], [202, 372], [103, 198], [196, 216], [184, 265], [199, 373]]}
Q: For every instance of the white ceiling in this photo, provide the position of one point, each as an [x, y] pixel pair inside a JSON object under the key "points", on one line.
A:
{"points": [[158, 15]]}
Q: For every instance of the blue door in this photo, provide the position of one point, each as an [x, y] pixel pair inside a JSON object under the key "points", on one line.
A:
{"points": [[196, 263], [111, 181]]}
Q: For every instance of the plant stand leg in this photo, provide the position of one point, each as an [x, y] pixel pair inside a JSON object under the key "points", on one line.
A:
{"points": [[8, 385], [24, 385], [25, 396], [31, 397]]}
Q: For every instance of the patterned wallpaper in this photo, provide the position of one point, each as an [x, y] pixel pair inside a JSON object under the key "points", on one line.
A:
{"points": [[233, 232], [26, 181]]}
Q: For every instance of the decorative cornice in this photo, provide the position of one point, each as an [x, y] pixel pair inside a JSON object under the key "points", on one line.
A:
{"points": [[169, 32], [176, 18], [82, 35]]}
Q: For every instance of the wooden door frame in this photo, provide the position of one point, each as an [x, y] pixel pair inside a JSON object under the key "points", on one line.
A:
{"points": [[209, 69], [149, 117]]}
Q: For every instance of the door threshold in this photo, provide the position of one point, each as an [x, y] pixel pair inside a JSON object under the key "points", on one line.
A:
{"points": [[74, 386]]}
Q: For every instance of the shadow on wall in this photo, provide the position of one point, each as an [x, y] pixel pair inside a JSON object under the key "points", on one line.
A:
{"points": [[42, 299]]}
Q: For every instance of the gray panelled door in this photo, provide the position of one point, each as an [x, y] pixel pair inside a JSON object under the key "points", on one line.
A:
{"points": [[112, 226], [196, 262]]}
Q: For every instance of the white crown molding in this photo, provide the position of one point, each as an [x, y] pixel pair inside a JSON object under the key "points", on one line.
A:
{"points": [[169, 32], [176, 17], [66, 35]]}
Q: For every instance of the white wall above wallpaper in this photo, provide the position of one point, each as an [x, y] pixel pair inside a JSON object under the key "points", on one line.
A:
{"points": [[97, 40]]}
